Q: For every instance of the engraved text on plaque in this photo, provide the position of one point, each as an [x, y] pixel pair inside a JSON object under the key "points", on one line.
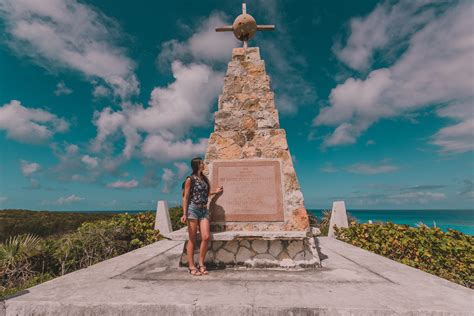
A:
{"points": [[252, 191]]}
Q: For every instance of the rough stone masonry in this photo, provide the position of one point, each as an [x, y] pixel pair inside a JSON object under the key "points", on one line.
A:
{"points": [[247, 129]]}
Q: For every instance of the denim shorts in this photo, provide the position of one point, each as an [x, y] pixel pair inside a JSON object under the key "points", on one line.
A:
{"points": [[195, 212]]}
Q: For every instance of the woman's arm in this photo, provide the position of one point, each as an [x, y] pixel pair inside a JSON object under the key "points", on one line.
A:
{"points": [[187, 189], [218, 191]]}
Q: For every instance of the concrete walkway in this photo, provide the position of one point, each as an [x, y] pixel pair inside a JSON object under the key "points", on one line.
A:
{"points": [[148, 282]]}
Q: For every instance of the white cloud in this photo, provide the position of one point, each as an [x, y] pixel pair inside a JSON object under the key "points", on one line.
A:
{"points": [[62, 89], [435, 69], [362, 168], [417, 197], [69, 200], [28, 168], [182, 169], [70, 35], [29, 125], [74, 165], [205, 45], [370, 142], [123, 184], [172, 112], [90, 162], [3, 199], [101, 92], [157, 148], [183, 104], [386, 24], [329, 168], [169, 180]]}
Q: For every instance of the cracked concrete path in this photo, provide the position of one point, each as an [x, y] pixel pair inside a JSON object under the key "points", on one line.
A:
{"points": [[148, 281]]}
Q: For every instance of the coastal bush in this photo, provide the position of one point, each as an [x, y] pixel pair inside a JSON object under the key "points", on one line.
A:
{"points": [[97, 241], [175, 216], [27, 260], [15, 259], [449, 255], [326, 218], [44, 223]]}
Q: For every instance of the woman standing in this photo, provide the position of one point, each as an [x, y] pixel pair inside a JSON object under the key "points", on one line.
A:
{"points": [[195, 212]]}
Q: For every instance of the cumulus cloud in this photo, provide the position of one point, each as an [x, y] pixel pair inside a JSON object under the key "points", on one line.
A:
{"points": [[182, 169], [62, 89], [205, 45], [74, 165], [70, 35], [29, 125], [362, 168], [435, 69], [157, 148], [123, 184], [386, 24], [101, 92], [329, 168], [169, 179], [28, 168], [172, 112], [69, 200], [467, 190], [90, 162]]}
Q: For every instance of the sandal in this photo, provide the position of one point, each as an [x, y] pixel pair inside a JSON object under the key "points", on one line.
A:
{"points": [[194, 271], [203, 270]]}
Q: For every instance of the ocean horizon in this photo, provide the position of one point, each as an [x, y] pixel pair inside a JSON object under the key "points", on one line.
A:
{"points": [[460, 220]]}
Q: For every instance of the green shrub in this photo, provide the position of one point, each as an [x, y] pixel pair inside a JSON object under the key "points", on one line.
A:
{"points": [[15, 259], [44, 223], [326, 218], [97, 241], [449, 255], [27, 260], [175, 215]]}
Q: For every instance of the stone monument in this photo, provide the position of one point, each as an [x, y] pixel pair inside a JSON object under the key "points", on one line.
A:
{"points": [[260, 219]]}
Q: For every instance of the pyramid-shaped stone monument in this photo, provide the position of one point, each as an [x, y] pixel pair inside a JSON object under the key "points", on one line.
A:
{"points": [[259, 220], [248, 155]]}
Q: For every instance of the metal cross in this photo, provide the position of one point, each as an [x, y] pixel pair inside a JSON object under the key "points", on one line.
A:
{"points": [[245, 27]]}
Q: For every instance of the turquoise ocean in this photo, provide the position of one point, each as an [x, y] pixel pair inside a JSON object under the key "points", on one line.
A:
{"points": [[461, 220]]}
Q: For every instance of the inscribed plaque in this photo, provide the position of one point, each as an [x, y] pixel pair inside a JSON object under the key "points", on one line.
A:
{"points": [[252, 191]]}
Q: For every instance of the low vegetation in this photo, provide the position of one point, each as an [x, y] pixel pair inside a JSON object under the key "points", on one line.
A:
{"points": [[44, 223], [449, 255], [27, 259]]}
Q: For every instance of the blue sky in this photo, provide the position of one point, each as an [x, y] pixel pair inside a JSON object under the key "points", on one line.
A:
{"points": [[103, 103]]}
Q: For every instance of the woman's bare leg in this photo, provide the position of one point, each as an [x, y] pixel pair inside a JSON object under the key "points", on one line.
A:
{"points": [[192, 232], [205, 234]]}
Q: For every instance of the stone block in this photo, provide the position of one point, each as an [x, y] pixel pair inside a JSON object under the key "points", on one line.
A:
{"points": [[243, 255], [162, 220], [300, 256], [276, 248], [260, 246], [245, 243], [216, 245], [338, 217], [295, 247], [265, 256], [231, 246], [224, 256]]}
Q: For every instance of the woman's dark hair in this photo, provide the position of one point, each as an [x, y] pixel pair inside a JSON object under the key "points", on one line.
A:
{"points": [[195, 162]]}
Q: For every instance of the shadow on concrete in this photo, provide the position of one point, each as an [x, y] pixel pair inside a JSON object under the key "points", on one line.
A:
{"points": [[321, 255]]}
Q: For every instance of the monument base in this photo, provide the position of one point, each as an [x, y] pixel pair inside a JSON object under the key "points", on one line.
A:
{"points": [[258, 253]]}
